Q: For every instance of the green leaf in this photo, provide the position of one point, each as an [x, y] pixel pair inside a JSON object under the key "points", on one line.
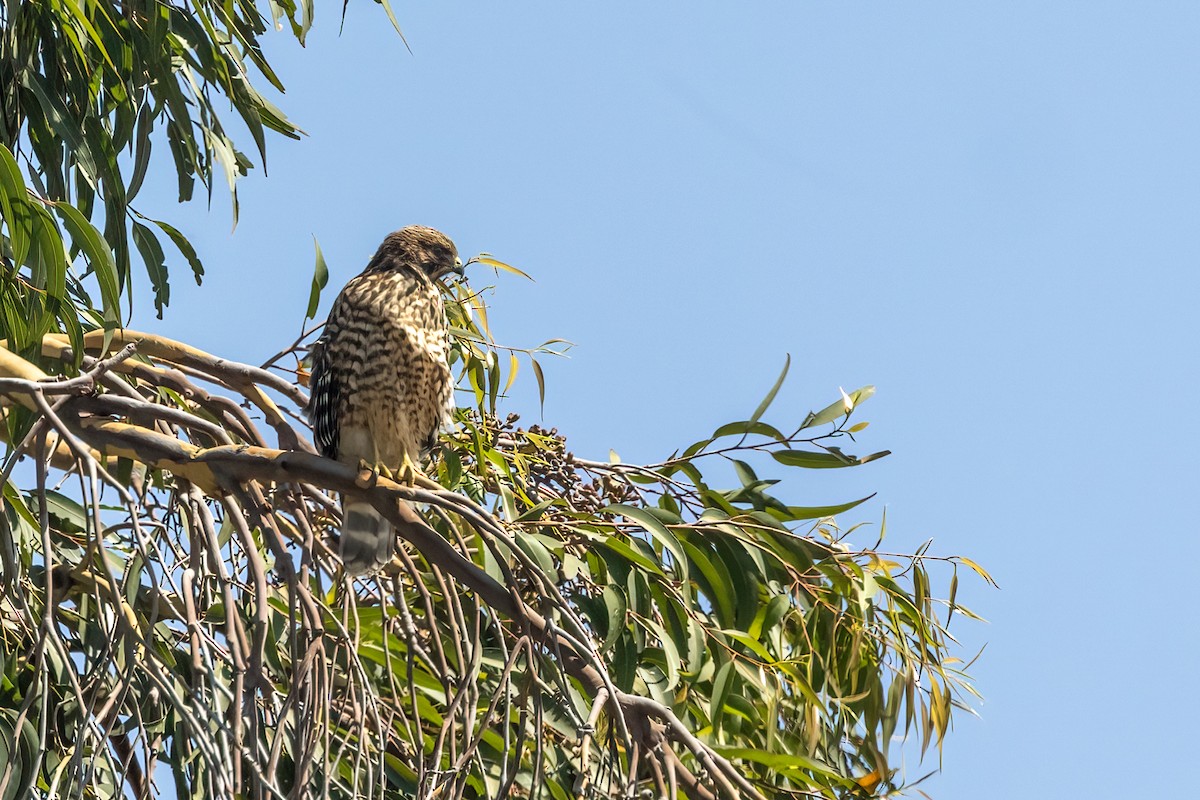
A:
{"points": [[657, 530], [633, 556], [745, 474], [537, 553], [624, 663], [156, 266], [715, 582], [60, 120], [13, 495], [66, 513], [830, 460], [748, 427], [14, 201], [951, 596], [534, 512], [19, 752], [142, 148], [46, 257], [750, 643], [541, 382], [15, 326], [319, 281], [99, 257], [766, 403], [770, 614], [185, 247], [671, 657], [615, 605], [797, 513], [66, 314], [182, 144], [722, 685]]}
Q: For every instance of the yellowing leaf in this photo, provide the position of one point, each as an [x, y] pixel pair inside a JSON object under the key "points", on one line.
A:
{"points": [[513, 366], [983, 573], [484, 258]]}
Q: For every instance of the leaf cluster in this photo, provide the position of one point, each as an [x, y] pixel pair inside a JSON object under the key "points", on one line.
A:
{"points": [[91, 90], [750, 618]]}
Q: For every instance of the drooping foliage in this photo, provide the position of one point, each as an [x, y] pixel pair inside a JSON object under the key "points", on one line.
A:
{"points": [[555, 626], [94, 94]]}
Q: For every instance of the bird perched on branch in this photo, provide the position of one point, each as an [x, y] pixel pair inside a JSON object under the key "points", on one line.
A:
{"points": [[381, 382]]}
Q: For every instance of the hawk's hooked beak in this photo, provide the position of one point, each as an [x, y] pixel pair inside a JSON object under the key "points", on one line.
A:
{"points": [[459, 267]]}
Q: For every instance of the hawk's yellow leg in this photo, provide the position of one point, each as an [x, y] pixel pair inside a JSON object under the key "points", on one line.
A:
{"points": [[408, 473]]}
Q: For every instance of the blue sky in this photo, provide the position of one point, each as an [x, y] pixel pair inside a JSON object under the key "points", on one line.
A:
{"points": [[988, 211]]}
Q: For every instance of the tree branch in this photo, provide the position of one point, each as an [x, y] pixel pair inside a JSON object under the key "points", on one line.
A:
{"points": [[221, 470]]}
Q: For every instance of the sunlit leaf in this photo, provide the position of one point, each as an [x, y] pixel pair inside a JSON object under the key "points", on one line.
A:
{"points": [[770, 398], [486, 259], [819, 512], [840, 407], [787, 763], [748, 427], [980, 571], [827, 460]]}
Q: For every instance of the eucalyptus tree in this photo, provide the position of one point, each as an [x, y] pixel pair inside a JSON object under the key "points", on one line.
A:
{"points": [[552, 626]]}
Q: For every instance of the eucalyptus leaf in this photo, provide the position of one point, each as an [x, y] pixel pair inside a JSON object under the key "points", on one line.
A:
{"points": [[319, 280], [770, 398]]}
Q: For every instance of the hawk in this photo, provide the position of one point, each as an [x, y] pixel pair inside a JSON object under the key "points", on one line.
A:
{"points": [[381, 381]]}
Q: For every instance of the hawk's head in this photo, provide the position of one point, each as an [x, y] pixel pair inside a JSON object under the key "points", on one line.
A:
{"points": [[429, 251]]}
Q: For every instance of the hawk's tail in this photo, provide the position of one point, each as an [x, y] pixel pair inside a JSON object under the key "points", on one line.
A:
{"points": [[367, 539]]}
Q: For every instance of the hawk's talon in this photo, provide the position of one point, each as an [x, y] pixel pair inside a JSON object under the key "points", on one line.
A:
{"points": [[408, 472], [367, 475]]}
